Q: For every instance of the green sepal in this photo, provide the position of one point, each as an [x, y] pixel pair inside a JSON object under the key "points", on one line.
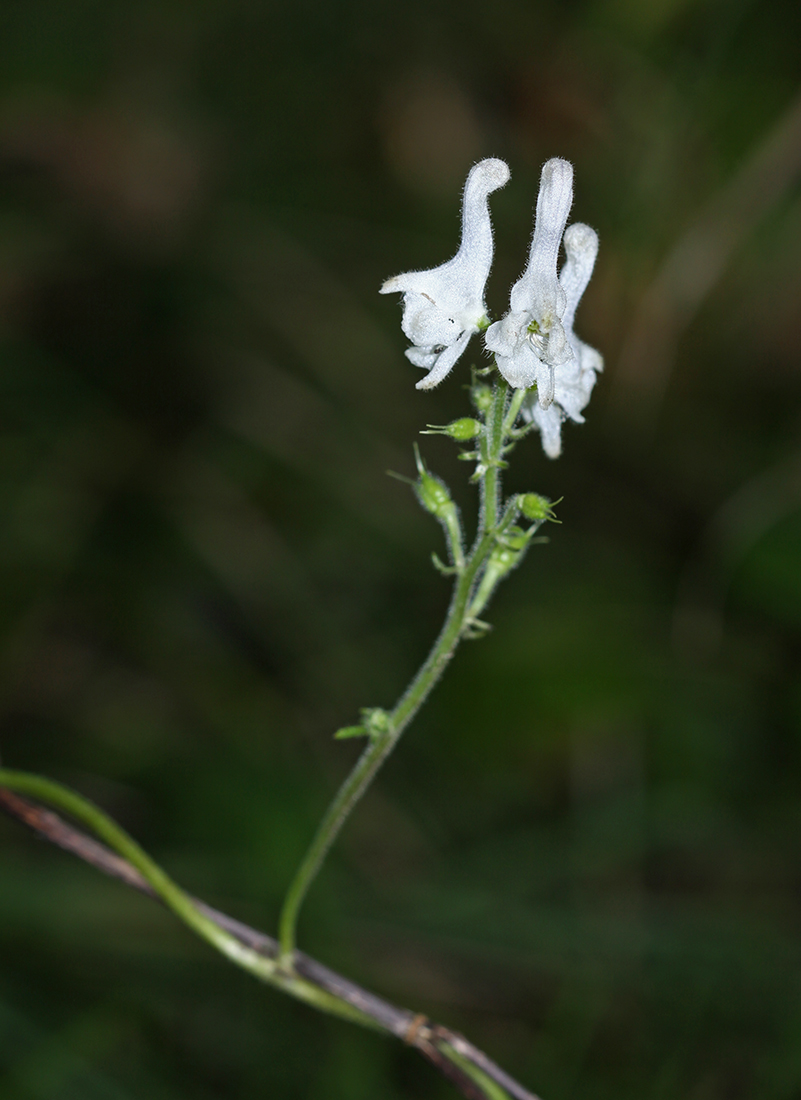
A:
{"points": [[350, 731]]}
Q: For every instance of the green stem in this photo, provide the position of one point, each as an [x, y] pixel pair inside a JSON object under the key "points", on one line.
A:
{"points": [[514, 411], [491, 451], [176, 899], [381, 745], [453, 536], [497, 570]]}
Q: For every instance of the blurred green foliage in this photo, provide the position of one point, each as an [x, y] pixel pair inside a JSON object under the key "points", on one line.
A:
{"points": [[587, 853]]}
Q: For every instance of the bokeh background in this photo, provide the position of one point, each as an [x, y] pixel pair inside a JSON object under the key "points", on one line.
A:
{"points": [[586, 854]]}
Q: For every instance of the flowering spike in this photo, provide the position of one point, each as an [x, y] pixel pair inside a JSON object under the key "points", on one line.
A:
{"points": [[444, 306], [530, 341]]}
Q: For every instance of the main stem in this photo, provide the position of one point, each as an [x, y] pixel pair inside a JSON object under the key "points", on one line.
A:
{"points": [[380, 746]]}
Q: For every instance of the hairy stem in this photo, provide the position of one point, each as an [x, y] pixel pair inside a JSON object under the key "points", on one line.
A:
{"points": [[514, 410], [379, 747], [491, 451], [382, 744]]}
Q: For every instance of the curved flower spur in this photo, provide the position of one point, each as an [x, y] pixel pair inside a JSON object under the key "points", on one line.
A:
{"points": [[444, 307]]}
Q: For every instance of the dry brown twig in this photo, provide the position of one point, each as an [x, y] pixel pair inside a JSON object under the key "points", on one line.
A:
{"points": [[412, 1028]]}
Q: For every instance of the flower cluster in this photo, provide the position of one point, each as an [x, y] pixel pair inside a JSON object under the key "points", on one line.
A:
{"points": [[534, 344]]}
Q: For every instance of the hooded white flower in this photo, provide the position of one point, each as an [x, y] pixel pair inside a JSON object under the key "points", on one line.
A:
{"points": [[443, 307], [574, 378], [530, 341]]}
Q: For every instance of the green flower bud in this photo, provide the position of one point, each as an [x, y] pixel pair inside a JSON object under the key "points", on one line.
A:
{"points": [[515, 538], [463, 429], [535, 507], [501, 560], [374, 723], [460, 430], [432, 493]]}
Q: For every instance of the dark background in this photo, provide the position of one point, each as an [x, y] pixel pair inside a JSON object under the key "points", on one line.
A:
{"points": [[586, 854]]}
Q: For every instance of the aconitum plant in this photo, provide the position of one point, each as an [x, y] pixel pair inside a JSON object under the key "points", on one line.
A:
{"points": [[539, 375]]}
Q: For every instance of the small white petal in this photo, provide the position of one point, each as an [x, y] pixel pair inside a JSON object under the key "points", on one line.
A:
{"points": [[505, 336], [556, 347], [546, 384], [425, 324], [443, 363], [422, 357], [522, 369], [549, 422]]}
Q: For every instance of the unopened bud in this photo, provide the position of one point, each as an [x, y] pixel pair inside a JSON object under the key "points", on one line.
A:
{"points": [[376, 721], [432, 493], [535, 507], [460, 430], [501, 560], [463, 429], [515, 538]]}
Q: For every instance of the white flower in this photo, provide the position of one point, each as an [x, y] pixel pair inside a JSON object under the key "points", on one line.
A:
{"points": [[574, 378], [530, 341], [442, 308]]}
